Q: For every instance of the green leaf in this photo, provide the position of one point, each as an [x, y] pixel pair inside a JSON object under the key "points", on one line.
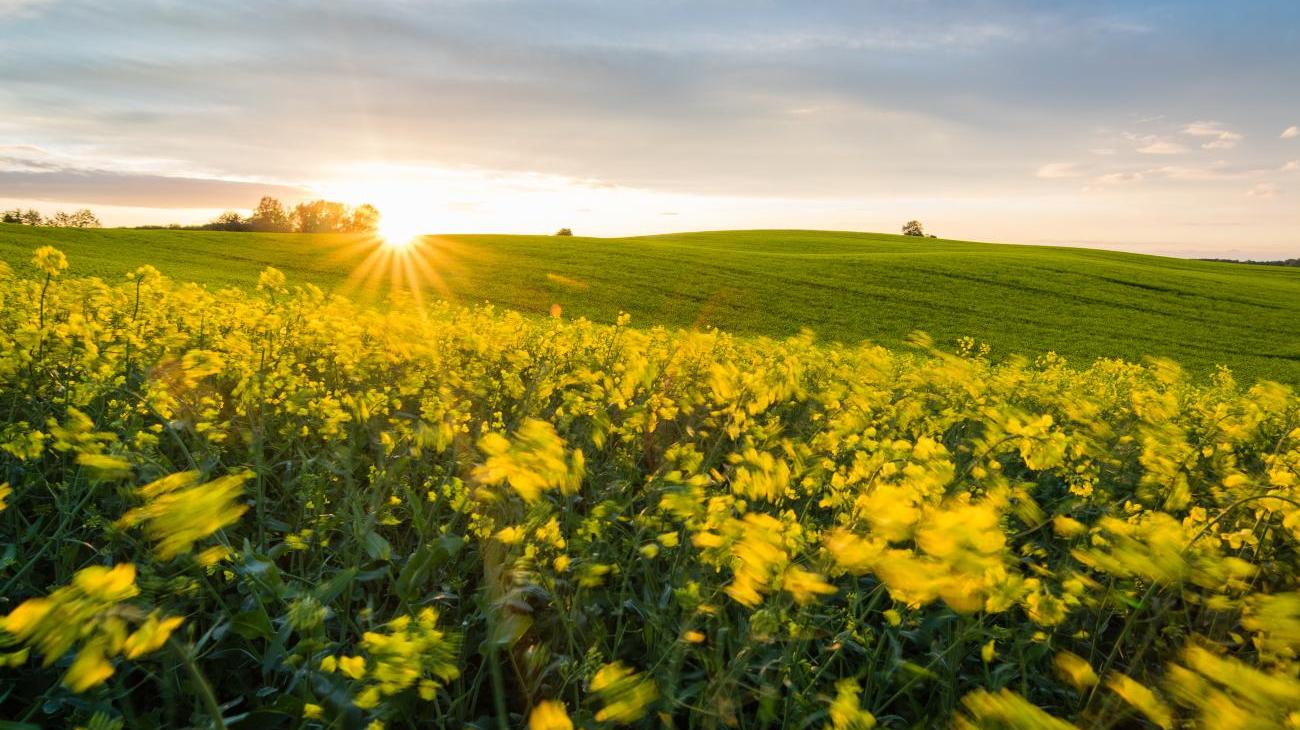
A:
{"points": [[420, 566], [377, 547], [254, 624], [336, 585]]}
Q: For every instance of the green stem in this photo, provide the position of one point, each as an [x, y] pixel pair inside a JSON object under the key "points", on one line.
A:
{"points": [[498, 686], [200, 683]]}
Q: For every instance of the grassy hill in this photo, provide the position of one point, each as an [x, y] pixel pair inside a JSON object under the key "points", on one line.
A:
{"points": [[843, 286]]}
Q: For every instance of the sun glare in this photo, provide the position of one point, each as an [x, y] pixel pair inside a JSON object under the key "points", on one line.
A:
{"points": [[399, 231], [405, 210]]}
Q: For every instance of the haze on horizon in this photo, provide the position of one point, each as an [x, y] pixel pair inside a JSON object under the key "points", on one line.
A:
{"points": [[1160, 127]]}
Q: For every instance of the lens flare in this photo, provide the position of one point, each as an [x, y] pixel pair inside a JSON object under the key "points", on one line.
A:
{"points": [[398, 232]]}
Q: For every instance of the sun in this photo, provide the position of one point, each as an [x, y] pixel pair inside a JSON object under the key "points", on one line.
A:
{"points": [[406, 210], [399, 231]]}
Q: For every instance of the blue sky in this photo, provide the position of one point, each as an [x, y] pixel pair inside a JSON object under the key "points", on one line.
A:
{"points": [[1150, 126]]}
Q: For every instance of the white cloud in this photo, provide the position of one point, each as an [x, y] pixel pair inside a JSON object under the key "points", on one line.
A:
{"points": [[1119, 178], [19, 7], [1058, 170], [1220, 144], [1291, 132], [1263, 190], [1162, 147], [1217, 171], [1154, 144], [1223, 139]]}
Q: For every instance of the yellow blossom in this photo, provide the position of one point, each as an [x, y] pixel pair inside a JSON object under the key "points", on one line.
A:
{"points": [[549, 715]]}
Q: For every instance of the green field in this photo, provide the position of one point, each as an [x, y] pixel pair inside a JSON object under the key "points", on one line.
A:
{"points": [[1079, 303]]}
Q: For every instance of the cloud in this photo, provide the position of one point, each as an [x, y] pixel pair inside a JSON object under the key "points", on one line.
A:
{"points": [[1263, 190], [1119, 178], [1162, 147], [1218, 171], [1154, 144], [881, 101], [1057, 170], [1223, 139], [19, 7], [1291, 132], [101, 187], [27, 158]]}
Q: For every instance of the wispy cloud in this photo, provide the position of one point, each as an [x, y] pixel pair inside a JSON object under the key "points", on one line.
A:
{"points": [[1263, 190], [1223, 139], [1291, 132], [20, 7], [34, 173], [1057, 170], [1162, 147], [1118, 178]]}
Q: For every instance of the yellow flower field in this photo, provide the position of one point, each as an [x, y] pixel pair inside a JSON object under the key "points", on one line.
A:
{"points": [[281, 509]]}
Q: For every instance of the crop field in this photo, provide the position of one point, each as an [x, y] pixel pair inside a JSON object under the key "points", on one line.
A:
{"points": [[844, 287], [271, 507]]}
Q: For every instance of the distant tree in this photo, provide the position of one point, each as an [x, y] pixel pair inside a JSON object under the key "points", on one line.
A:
{"points": [[363, 219], [32, 217], [230, 220], [564, 232], [913, 228], [84, 218], [12, 216], [320, 216], [269, 216]]}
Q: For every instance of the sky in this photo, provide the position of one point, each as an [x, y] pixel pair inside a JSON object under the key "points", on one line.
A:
{"points": [[1158, 127]]}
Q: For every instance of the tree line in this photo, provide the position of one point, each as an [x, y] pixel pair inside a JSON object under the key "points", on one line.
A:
{"points": [[83, 218], [316, 216], [1278, 262]]}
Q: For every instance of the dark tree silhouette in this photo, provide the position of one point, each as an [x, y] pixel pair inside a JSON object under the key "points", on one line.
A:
{"points": [[269, 216], [564, 232], [227, 221], [913, 228], [320, 216]]}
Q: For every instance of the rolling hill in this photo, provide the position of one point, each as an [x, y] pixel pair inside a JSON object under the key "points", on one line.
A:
{"points": [[1080, 303]]}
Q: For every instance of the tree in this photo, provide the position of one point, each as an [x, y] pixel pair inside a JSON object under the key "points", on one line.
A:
{"points": [[32, 217], [85, 218], [364, 219], [227, 221], [320, 216], [564, 232], [12, 216], [913, 228], [269, 216]]}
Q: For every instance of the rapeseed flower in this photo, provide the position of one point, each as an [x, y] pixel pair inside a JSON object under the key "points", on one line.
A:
{"points": [[180, 510]]}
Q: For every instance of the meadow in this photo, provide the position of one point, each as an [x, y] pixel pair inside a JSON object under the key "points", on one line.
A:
{"points": [[844, 287], [271, 507]]}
